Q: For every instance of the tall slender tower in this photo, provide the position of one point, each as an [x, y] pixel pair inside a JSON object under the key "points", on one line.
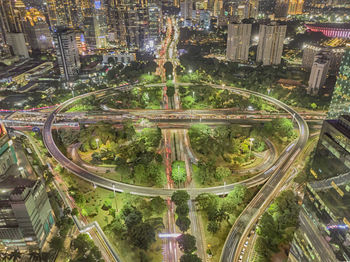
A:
{"points": [[238, 42], [270, 47]]}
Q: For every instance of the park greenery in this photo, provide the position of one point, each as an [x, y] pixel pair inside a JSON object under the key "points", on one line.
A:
{"points": [[203, 97], [186, 242], [277, 226], [140, 97], [219, 214], [85, 250], [133, 153], [178, 172], [223, 149], [180, 199]]}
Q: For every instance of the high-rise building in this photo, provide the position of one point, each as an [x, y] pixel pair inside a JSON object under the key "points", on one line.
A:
{"points": [[335, 55], [155, 22], [270, 47], [39, 35], [186, 8], [324, 235], [67, 53], [319, 73], [66, 13], [25, 213], [8, 157], [238, 42], [340, 103], [132, 24], [266, 7], [281, 8], [18, 44], [295, 7]]}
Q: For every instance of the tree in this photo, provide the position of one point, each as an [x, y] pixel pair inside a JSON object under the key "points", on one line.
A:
{"points": [[133, 219], [213, 227], [180, 196], [183, 222], [178, 172], [187, 243], [222, 172], [56, 243], [15, 255], [190, 258], [235, 198], [75, 212], [82, 244], [207, 201], [142, 235], [158, 205], [182, 210]]}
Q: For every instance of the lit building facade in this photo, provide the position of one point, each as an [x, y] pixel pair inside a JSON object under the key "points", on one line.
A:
{"points": [[335, 55], [339, 30], [26, 217], [67, 53], [318, 73], [238, 42], [340, 103], [18, 44], [295, 7], [270, 46], [281, 8], [324, 235]]}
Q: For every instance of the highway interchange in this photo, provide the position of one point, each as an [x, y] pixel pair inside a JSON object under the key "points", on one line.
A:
{"points": [[272, 177]]}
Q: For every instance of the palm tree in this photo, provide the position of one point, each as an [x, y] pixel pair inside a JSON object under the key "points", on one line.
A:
{"points": [[15, 255], [34, 255], [4, 256]]}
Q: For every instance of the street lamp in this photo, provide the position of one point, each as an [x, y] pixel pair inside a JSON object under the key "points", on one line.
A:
{"points": [[250, 145], [190, 71], [97, 140]]}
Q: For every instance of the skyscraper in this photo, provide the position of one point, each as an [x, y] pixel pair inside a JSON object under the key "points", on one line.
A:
{"points": [[319, 73], [238, 42], [270, 47], [323, 235], [67, 53], [295, 7], [340, 103], [18, 44], [281, 8], [186, 7]]}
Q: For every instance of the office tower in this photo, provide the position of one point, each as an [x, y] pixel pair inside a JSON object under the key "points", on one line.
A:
{"points": [[25, 213], [270, 45], [266, 7], [8, 159], [324, 218], [335, 54], [340, 103], [253, 8], [281, 8], [295, 7], [319, 73], [66, 13], [238, 42], [18, 44], [67, 53], [132, 25], [38, 35], [186, 8], [155, 21]]}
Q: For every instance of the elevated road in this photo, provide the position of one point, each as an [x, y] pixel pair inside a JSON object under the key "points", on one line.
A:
{"points": [[263, 198], [146, 191]]}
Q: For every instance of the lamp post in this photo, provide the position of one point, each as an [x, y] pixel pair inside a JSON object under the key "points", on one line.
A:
{"points": [[250, 146], [97, 140]]}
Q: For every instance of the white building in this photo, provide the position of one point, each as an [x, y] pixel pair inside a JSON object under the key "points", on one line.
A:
{"points": [[18, 44], [67, 53], [270, 47], [319, 73], [238, 42]]}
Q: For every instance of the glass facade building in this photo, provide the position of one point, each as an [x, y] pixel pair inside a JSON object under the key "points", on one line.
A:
{"points": [[325, 218], [340, 103]]}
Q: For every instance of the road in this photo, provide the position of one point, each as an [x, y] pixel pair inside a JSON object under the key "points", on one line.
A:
{"points": [[248, 218]]}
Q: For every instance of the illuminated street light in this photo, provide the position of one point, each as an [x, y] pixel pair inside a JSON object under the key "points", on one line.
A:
{"points": [[97, 140], [190, 71]]}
